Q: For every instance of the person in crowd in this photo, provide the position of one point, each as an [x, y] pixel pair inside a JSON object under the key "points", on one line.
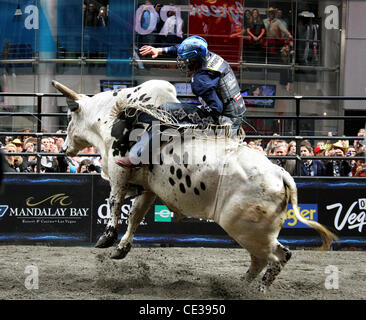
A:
{"points": [[242, 32], [351, 152], [29, 162], [19, 144], [271, 144], [101, 19], [91, 15], [12, 163], [358, 143], [213, 82], [48, 163], [288, 164], [274, 39], [310, 167], [256, 30], [86, 166], [337, 168], [291, 148], [320, 144], [359, 167], [319, 152]]}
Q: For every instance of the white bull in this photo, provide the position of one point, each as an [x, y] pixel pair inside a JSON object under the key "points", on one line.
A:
{"points": [[236, 186]]}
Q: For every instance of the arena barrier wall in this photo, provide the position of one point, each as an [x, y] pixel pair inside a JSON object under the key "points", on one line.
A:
{"points": [[61, 209]]}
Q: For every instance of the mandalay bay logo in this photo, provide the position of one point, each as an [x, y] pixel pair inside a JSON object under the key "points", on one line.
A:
{"points": [[56, 208]]}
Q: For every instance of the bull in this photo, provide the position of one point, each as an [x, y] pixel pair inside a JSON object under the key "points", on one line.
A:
{"points": [[221, 179]]}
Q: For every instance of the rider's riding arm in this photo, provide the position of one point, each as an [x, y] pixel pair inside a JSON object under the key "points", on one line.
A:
{"points": [[204, 86]]}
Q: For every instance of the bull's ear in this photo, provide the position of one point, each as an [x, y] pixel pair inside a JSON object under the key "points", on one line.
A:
{"points": [[73, 105]]}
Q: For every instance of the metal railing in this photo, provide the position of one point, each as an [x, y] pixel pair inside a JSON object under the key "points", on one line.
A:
{"points": [[297, 117]]}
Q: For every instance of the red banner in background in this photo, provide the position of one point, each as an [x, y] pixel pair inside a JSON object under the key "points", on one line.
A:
{"points": [[216, 20]]}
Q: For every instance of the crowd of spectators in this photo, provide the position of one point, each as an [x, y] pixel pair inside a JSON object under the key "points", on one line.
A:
{"points": [[90, 162], [48, 163], [322, 167]]}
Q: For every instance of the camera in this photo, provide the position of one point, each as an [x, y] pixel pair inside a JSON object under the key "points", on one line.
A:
{"points": [[91, 167]]}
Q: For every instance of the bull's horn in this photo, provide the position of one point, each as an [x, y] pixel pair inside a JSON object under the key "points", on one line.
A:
{"points": [[67, 92]]}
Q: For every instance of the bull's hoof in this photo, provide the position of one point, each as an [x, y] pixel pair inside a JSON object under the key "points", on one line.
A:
{"points": [[108, 238], [120, 253]]}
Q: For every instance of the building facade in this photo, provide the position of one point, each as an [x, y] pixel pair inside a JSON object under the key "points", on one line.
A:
{"points": [[281, 48]]}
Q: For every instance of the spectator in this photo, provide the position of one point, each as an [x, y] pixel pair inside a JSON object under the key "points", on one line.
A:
{"points": [[18, 144], [274, 39], [242, 32], [256, 30], [48, 163], [272, 143], [12, 163], [29, 162], [291, 148], [359, 167], [101, 19], [351, 152], [288, 164], [320, 144], [337, 168], [319, 152], [91, 15], [86, 166], [310, 167], [360, 133]]}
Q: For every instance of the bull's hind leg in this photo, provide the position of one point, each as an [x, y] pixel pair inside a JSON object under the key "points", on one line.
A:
{"points": [[138, 212], [281, 255]]}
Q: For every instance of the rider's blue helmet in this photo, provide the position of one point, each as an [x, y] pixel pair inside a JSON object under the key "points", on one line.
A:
{"points": [[192, 48]]}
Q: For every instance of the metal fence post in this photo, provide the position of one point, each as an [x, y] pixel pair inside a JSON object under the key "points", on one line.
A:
{"points": [[39, 128]]}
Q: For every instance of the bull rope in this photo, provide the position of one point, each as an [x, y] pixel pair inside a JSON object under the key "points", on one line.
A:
{"points": [[125, 107]]}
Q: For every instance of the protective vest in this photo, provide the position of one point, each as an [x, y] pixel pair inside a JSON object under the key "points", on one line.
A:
{"points": [[228, 88]]}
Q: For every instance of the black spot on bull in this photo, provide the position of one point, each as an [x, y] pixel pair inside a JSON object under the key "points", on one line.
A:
{"points": [[188, 181], [137, 89], [179, 173], [120, 132], [203, 186], [172, 169], [182, 188], [171, 181], [196, 191], [142, 96]]}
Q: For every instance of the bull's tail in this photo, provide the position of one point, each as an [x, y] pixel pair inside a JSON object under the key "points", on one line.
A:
{"points": [[327, 236]]}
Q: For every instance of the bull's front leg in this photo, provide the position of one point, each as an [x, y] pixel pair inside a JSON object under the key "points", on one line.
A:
{"points": [[137, 213], [110, 235]]}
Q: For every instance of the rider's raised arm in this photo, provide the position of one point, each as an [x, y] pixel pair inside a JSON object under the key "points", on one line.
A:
{"points": [[170, 51]]}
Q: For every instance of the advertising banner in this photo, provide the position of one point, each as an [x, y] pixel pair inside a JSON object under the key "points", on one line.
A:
{"points": [[37, 208], [216, 21], [75, 209]]}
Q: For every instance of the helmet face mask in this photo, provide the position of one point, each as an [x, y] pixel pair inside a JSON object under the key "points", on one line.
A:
{"points": [[186, 65]]}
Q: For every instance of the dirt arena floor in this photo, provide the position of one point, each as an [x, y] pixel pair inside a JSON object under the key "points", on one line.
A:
{"points": [[79, 273]]}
